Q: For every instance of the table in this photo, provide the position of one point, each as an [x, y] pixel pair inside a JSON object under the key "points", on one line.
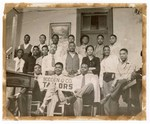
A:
{"points": [[15, 79]]}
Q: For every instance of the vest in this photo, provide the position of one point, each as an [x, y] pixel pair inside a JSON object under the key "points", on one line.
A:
{"points": [[72, 64], [27, 50]]}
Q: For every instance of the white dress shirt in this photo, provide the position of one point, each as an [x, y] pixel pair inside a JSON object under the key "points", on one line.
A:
{"points": [[108, 64], [81, 50], [114, 49], [19, 67], [47, 63], [124, 70], [39, 78]]}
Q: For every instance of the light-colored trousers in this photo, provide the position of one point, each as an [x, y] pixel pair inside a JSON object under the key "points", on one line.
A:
{"points": [[51, 105], [78, 104]]}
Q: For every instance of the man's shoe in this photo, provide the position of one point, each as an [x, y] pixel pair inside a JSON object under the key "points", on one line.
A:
{"points": [[71, 99], [104, 100], [39, 111]]}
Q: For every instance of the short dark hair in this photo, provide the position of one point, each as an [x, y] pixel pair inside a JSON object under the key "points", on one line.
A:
{"points": [[124, 49], [36, 47], [106, 46], [88, 47], [45, 47], [27, 35], [113, 35], [71, 35], [59, 63], [55, 35], [37, 65], [83, 37], [100, 35], [43, 35], [21, 50]]}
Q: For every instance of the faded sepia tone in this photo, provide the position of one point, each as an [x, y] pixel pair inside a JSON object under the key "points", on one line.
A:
{"points": [[141, 9]]}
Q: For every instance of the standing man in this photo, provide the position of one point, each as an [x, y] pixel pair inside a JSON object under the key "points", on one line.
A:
{"points": [[87, 83], [19, 62], [84, 42], [42, 39], [44, 53], [31, 60], [72, 60], [108, 73], [99, 47], [48, 62], [26, 47], [114, 46]]}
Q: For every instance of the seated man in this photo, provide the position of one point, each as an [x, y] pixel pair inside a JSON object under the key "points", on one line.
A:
{"points": [[123, 77], [53, 95], [87, 83], [38, 91]]}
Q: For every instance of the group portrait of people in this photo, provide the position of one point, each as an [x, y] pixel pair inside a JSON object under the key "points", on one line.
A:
{"points": [[101, 72]]}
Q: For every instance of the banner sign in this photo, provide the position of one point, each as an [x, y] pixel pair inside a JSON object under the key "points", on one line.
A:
{"points": [[62, 82]]}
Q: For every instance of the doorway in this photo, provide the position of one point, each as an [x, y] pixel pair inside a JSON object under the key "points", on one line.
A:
{"points": [[94, 21]]}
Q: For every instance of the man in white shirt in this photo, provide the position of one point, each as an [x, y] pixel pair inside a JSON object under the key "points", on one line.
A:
{"points": [[42, 39], [114, 45], [108, 72], [71, 60], [86, 83], [44, 53], [19, 62], [48, 62], [53, 94]]}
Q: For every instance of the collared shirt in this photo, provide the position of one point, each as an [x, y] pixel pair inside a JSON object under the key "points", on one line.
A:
{"points": [[81, 50], [98, 52], [39, 78], [125, 70], [115, 48], [108, 64], [89, 78], [21, 65], [47, 63], [39, 60]]}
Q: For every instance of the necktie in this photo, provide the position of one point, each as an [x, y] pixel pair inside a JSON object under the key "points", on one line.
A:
{"points": [[18, 66], [83, 81], [53, 61]]}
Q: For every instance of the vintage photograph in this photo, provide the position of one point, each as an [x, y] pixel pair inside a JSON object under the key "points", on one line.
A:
{"points": [[73, 61]]}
